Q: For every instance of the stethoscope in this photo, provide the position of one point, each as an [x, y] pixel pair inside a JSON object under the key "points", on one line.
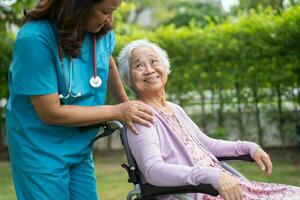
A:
{"points": [[95, 80]]}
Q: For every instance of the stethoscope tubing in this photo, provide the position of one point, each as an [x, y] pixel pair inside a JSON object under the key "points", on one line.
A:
{"points": [[69, 89], [95, 81]]}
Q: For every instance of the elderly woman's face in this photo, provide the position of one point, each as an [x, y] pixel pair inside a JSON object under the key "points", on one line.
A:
{"points": [[100, 14], [148, 73]]}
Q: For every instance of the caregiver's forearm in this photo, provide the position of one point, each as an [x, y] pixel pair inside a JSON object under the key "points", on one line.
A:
{"points": [[50, 111]]}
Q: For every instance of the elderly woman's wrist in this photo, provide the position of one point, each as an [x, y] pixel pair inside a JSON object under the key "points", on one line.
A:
{"points": [[212, 177], [216, 179], [253, 147]]}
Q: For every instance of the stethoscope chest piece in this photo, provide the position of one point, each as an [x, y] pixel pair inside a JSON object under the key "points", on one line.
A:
{"points": [[95, 82]]}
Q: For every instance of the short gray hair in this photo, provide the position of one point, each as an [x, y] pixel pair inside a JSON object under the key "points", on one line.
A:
{"points": [[125, 57]]}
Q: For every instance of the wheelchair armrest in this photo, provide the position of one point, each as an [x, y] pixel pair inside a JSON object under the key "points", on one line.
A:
{"points": [[109, 128], [151, 191], [246, 157]]}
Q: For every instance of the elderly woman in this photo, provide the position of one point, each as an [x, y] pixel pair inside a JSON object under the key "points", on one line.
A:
{"points": [[173, 151]]}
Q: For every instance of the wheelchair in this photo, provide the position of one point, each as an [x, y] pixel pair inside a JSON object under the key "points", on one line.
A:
{"points": [[145, 191]]}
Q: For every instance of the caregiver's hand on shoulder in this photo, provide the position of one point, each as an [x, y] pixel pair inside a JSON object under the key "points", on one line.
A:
{"points": [[263, 161], [229, 187], [132, 112]]}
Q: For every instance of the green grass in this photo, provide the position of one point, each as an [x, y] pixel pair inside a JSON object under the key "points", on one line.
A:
{"points": [[284, 171], [112, 179], [6, 185]]}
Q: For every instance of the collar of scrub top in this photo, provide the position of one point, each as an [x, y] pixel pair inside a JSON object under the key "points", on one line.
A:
{"points": [[95, 80]]}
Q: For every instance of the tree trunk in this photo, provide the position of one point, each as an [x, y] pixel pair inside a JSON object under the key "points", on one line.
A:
{"points": [[212, 100], [257, 117], [179, 97], [137, 13], [1, 137], [281, 4], [203, 113], [280, 115], [3, 148], [293, 2], [220, 110], [295, 104], [239, 111], [298, 105], [180, 89]]}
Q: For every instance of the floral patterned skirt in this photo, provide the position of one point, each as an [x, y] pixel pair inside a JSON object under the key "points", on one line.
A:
{"points": [[263, 191]]}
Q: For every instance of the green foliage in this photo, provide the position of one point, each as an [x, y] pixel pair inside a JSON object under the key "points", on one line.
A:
{"points": [[220, 133], [255, 49], [249, 4], [254, 54], [198, 12], [5, 56], [12, 17]]}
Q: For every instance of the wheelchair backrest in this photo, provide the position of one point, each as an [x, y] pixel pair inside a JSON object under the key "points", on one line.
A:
{"points": [[131, 167]]}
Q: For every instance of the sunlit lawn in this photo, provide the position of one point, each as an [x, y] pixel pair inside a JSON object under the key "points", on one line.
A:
{"points": [[283, 172], [112, 179]]}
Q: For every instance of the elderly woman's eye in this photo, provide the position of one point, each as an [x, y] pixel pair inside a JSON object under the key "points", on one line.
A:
{"points": [[138, 66], [154, 61]]}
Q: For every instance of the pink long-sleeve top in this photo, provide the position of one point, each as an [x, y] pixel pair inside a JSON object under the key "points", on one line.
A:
{"points": [[164, 160]]}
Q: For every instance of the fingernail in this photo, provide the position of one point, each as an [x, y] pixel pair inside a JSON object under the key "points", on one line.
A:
{"points": [[263, 168]]}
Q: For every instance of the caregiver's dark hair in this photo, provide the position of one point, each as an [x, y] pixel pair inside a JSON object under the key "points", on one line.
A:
{"points": [[68, 17]]}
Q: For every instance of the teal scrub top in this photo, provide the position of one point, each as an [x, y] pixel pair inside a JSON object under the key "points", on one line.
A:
{"points": [[36, 70]]}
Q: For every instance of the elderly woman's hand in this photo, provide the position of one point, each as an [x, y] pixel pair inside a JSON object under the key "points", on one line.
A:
{"points": [[229, 187], [132, 112], [263, 161]]}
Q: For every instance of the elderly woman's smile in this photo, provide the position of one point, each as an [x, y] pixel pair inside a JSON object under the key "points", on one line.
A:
{"points": [[148, 72], [152, 78]]}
